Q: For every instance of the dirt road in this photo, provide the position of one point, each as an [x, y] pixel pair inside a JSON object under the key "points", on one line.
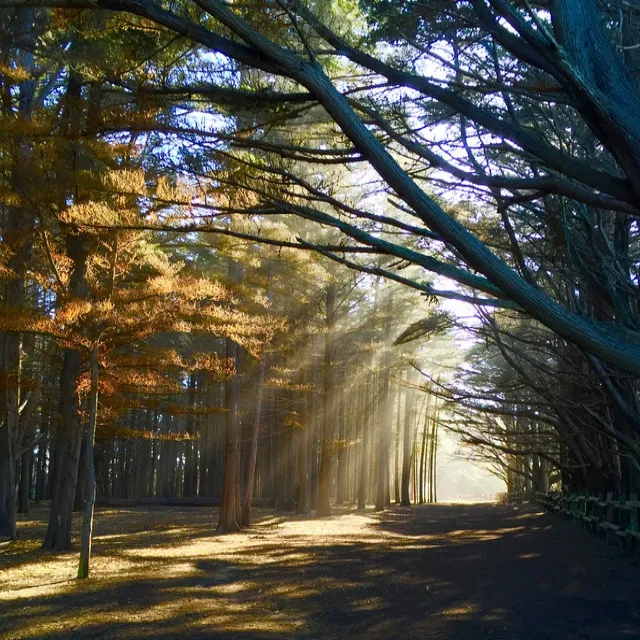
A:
{"points": [[445, 572]]}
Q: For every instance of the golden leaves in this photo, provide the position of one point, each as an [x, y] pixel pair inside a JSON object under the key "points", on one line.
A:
{"points": [[72, 311], [25, 321], [6, 273], [112, 432], [14, 74], [125, 181], [90, 214], [293, 419]]}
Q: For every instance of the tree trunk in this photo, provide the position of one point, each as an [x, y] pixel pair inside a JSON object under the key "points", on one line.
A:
{"points": [[433, 444], [407, 445], [342, 446], [67, 451], [41, 472], [79, 501], [228, 520], [191, 454], [302, 503], [90, 471], [425, 439], [396, 462], [69, 436], [17, 237], [324, 491], [26, 473], [364, 464], [252, 454], [385, 414], [434, 464], [7, 486]]}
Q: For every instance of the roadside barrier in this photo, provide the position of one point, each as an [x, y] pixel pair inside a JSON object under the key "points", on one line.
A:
{"points": [[617, 520]]}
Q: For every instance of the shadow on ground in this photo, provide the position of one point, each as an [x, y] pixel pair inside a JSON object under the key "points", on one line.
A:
{"points": [[441, 572]]}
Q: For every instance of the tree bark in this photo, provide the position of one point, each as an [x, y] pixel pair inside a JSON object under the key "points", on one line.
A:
{"points": [[324, 491], [191, 455], [407, 445], [228, 519], [396, 462], [69, 435], [364, 464], [90, 474], [17, 235], [342, 450], [67, 450], [302, 504], [252, 454], [383, 451], [423, 450]]}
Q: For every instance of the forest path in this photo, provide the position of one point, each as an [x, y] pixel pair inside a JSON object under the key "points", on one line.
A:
{"points": [[430, 572]]}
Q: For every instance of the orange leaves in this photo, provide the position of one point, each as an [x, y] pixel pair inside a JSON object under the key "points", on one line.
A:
{"points": [[213, 364], [6, 273], [142, 380], [158, 359], [14, 73], [281, 383], [72, 311], [125, 181], [192, 288], [29, 322], [293, 419], [111, 432], [88, 214]]}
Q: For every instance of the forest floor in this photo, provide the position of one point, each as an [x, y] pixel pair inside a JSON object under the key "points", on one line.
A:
{"points": [[430, 572]]}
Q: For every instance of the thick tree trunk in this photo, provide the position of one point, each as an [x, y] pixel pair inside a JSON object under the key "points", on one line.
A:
{"points": [[69, 435], [11, 360], [7, 486], [228, 519], [17, 238], [252, 454], [67, 451], [26, 473]]}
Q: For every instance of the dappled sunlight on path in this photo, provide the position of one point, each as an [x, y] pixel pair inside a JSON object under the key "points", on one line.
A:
{"points": [[446, 571]]}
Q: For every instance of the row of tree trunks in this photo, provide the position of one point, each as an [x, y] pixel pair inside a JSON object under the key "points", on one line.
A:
{"points": [[17, 236]]}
